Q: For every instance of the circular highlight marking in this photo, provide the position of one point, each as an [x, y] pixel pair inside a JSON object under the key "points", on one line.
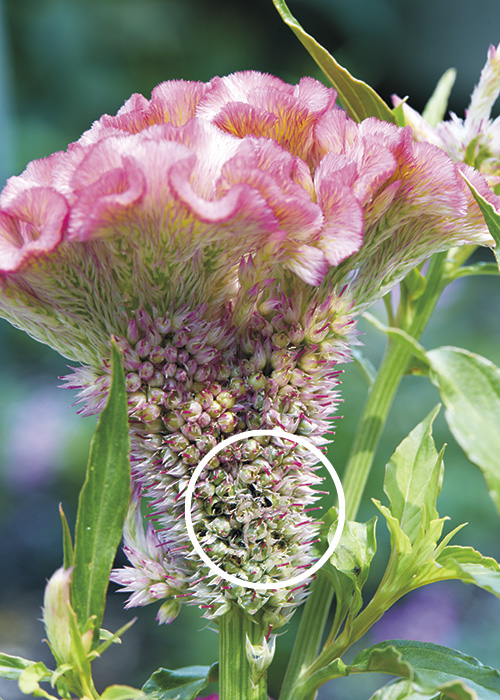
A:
{"points": [[294, 580]]}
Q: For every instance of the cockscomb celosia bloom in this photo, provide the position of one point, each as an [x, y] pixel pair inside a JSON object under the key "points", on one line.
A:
{"points": [[224, 233], [476, 138]]}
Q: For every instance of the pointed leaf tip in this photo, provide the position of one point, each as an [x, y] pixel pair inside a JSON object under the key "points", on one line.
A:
{"points": [[435, 109], [68, 554], [413, 478], [103, 503], [491, 217], [359, 99]]}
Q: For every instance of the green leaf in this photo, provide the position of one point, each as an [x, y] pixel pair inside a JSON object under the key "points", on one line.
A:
{"points": [[431, 667], [121, 692], [399, 114], [470, 566], [480, 268], [435, 109], [414, 284], [68, 554], [456, 690], [182, 684], [335, 669], [402, 690], [353, 555], [401, 567], [410, 566], [103, 504], [358, 98], [107, 638], [470, 389], [406, 690], [413, 478], [355, 550], [399, 334], [382, 658], [400, 542], [491, 217], [30, 678], [80, 660], [11, 667]]}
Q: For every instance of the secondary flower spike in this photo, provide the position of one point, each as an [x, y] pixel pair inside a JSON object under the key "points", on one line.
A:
{"points": [[225, 233], [476, 138]]}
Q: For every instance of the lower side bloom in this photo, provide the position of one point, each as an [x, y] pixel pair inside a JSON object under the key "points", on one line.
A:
{"points": [[269, 361]]}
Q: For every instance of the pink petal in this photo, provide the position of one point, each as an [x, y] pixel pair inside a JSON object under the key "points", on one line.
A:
{"points": [[236, 88], [342, 231], [176, 101], [173, 102], [333, 132], [242, 119], [430, 182], [100, 207], [122, 182], [378, 165], [257, 104], [239, 200], [32, 225], [307, 262], [271, 171], [38, 173]]}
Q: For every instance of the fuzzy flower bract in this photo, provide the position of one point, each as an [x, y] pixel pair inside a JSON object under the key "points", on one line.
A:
{"points": [[225, 233]]}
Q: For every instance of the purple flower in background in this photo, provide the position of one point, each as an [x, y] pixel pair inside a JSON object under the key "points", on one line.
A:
{"points": [[427, 615]]}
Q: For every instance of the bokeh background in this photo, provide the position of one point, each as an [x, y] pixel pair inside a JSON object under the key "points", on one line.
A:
{"points": [[65, 62]]}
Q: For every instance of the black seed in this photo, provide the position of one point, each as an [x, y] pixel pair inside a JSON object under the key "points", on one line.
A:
{"points": [[253, 490]]}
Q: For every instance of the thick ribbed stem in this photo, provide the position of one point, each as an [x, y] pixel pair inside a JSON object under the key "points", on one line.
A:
{"points": [[308, 640], [237, 677]]}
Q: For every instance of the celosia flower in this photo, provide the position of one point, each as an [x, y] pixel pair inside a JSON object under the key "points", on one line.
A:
{"points": [[212, 230], [476, 138]]}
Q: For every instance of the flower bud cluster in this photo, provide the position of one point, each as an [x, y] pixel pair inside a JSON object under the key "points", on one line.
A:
{"points": [[193, 382]]}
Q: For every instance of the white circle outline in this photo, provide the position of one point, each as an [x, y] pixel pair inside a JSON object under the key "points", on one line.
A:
{"points": [[299, 439]]}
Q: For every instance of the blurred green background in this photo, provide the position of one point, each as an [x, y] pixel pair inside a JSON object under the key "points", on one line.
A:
{"points": [[65, 62]]}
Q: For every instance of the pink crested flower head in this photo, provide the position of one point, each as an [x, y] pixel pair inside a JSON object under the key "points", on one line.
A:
{"points": [[187, 185]]}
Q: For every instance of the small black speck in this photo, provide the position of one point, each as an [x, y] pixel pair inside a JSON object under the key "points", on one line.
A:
{"points": [[253, 490]]}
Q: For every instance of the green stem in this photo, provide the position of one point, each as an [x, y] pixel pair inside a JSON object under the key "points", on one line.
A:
{"points": [[308, 641], [413, 320], [235, 669]]}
